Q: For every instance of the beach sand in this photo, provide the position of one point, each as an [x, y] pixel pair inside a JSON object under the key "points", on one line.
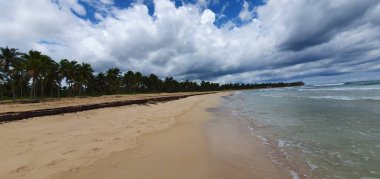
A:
{"points": [[166, 140], [14, 106]]}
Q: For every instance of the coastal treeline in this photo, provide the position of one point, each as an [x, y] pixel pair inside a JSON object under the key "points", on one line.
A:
{"points": [[35, 75]]}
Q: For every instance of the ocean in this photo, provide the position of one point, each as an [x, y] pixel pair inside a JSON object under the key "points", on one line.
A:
{"points": [[320, 131]]}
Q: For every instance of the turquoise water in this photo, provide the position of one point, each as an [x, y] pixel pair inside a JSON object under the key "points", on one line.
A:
{"points": [[325, 131]]}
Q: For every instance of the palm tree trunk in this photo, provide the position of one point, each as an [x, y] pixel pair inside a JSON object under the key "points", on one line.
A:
{"points": [[31, 90], [21, 90], [59, 89], [42, 88], [70, 89], [1, 92], [13, 90], [34, 90], [51, 91]]}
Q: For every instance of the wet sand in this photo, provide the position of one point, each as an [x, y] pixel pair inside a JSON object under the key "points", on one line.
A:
{"points": [[166, 140]]}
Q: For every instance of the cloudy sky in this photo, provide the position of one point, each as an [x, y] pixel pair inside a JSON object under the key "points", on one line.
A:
{"points": [[320, 41]]}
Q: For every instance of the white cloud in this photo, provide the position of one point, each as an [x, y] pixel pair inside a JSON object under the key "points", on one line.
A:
{"points": [[73, 5], [106, 1], [288, 39], [245, 14], [208, 17], [98, 16]]}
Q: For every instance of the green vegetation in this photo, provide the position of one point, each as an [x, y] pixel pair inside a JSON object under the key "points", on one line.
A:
{"points": [[36, 75]]}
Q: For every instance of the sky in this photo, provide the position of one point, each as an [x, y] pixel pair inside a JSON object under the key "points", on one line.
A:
{"points": [[222, 41]]}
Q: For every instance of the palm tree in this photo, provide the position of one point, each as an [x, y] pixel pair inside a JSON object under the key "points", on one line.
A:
{"points": [[20, 76], [113, 78], [47, 69], [69, 70], [84, 76], [60, 75], [33, 67], [154, 82], [138, 80], [53, 78], [8, 58], [129, 80], [171, 85], [101, 82]]}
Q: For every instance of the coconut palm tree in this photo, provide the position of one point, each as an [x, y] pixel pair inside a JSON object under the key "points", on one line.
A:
{"points": [[84, 76], [171, 85], [33, 68], [52, 77], [9, 57], [69, 70], [60, 75], [113, 78], [128, 80], [155, 83], [138, 81], [101, 82], [46, 71], [19, 75]]}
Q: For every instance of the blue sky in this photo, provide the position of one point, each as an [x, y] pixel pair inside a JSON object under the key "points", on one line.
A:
{"points": [[224, 41], [225, 10]]}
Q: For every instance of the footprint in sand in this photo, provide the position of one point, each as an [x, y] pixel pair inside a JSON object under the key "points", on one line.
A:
{"points": [[94, 149], [25, 151], [115, 140], [52, 141], [74, 169], [20, 169], [54, 162], [64, 153], [96, 140], [30, 140]]}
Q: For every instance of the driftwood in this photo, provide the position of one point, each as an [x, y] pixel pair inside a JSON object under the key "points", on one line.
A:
{"points": [[14, 116]]}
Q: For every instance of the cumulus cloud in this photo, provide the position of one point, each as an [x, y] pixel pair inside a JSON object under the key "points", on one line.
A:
{"points": [[287, 39], [245, 14], [208, 17]]}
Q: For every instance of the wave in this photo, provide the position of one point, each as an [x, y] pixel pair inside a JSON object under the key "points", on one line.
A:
{"points": [[341, 89], [374, 82], [345, 98], [332, 84], [272, 96]]}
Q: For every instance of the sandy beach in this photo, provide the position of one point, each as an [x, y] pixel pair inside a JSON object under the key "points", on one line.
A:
{"points": [[175, 139], [8, 106]]}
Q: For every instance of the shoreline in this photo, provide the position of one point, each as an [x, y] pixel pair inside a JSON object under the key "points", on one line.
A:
{"points": [[236, 146], [165, 140], [180, 151]]}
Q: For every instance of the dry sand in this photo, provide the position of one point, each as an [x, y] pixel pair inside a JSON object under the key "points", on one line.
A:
{"points": [[9, 106], [166, 140]]}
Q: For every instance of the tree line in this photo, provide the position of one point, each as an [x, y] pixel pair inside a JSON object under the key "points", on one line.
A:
{"points": [[35, 75]]}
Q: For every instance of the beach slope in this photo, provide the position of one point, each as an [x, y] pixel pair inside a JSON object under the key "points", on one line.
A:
{"points": [[165, 140]]}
